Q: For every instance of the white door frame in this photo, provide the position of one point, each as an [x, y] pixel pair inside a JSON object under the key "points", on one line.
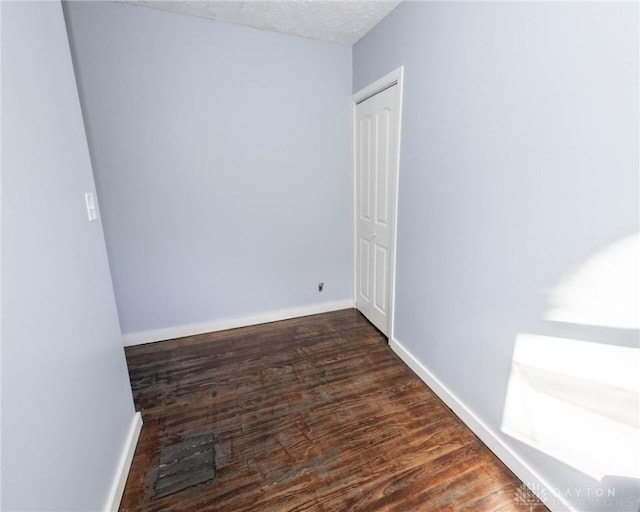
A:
{"points": [[394, 77]]}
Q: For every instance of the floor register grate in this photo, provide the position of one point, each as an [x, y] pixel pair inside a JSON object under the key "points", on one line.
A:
{"points": [[184, 464]]}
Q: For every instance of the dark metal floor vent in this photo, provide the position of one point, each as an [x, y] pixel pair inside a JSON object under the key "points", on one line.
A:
{"points": [[185, 464]]}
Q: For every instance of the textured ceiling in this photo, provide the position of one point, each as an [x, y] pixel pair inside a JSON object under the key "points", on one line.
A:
{"points": [[337, 21]]}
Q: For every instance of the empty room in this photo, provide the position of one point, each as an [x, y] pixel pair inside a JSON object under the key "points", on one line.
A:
{"points": [[320, 255]]}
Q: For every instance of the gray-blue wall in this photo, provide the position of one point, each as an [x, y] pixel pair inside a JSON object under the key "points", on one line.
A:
{"points": [[519, 161], [66, 401], [222, 160]]}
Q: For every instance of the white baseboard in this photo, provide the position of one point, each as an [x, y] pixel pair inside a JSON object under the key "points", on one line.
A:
{"points": [[115, 496], [521, 469], [138, 338]]}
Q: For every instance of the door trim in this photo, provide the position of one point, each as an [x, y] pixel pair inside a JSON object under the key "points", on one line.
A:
{"points": [[394, 77]]}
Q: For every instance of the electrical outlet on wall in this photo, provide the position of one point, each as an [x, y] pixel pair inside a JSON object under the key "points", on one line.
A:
{"points": [[320, 286]]}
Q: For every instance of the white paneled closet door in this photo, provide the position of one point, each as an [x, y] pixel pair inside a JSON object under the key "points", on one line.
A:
{"points": [[376, 147]]}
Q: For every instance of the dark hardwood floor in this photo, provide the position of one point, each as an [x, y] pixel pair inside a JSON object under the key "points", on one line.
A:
{"points": [[314, 414]]}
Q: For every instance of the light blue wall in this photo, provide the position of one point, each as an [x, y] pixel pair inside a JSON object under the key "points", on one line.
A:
{"points": [[519, 160], [222, 160], [66, 401]]}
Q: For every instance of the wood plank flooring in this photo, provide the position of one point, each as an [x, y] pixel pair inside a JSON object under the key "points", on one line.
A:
{"points": [[313, 414]]}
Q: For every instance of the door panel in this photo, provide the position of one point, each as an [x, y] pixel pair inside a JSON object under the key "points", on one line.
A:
{"points": [[365, 169], [364, 269], [376, 174], [382, 177], [381, 264]]}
